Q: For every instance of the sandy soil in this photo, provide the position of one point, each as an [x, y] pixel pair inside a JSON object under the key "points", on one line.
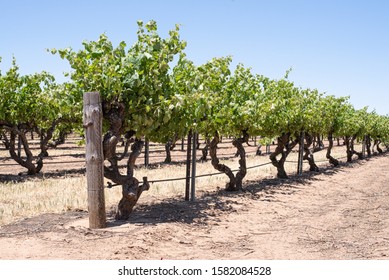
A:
{"points": [[341, 213]]}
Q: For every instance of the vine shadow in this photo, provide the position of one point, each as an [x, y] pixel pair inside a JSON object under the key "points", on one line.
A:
{"points": [[210, 204]]}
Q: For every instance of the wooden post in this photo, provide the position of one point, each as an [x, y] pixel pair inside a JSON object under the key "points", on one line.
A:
{"points": [[182, 143], [94, 159], [188, 154], [301, 155], [193, 178]]}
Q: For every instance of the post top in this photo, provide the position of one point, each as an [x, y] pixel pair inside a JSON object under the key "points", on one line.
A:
{"points": [[91, 98]]}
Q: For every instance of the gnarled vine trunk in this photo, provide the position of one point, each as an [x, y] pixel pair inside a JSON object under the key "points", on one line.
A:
{"points": [[349, 152], [230, 186], [330, 158], [317, 144], [169, 146], [377, 143], [259, 151], [283, 148], [238, 143], [58, 141], [131, 188], [309, 154], [168, 158], [197, 141], [235, 182], [368, 145], [349, 141], [204, 151], [32, 163]]}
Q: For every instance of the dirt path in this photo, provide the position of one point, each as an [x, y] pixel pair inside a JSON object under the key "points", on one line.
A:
{"points": [[341, 213]]}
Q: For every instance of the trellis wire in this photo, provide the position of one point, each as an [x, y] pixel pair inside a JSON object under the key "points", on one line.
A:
{"points": [[110, 185]]}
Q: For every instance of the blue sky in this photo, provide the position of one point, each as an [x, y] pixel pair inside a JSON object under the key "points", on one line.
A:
{"points": [[339, 47]]}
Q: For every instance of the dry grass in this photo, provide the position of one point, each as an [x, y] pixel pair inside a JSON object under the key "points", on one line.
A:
{"points": [[30, 198], [18, 200]]}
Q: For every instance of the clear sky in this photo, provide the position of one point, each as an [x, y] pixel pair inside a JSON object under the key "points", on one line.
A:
{"points": [[340, 47]]}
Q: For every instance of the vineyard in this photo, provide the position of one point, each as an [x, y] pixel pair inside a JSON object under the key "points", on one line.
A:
{"points": [[155, 98]]}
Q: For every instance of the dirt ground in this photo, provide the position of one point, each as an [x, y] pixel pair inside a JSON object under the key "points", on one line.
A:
{"points": [[340, 213]]}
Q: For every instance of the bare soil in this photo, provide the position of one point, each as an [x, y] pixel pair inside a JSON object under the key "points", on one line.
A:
{"points": [[339, 213]]}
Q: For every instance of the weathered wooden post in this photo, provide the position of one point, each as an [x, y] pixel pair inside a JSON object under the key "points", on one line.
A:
{"points": [[93, 116], [193, 177]]}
